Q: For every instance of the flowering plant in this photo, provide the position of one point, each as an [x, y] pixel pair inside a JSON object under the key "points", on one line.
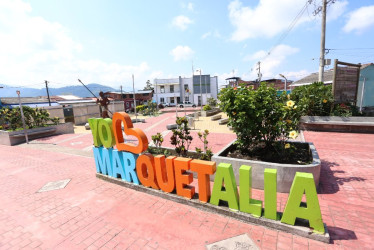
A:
{"points": [[260, 118]]}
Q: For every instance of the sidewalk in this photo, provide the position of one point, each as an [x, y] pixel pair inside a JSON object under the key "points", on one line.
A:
{"points": [[91, 213]]}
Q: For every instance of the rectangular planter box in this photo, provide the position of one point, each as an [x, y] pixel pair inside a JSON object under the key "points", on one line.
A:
{"points": [[17, 137], [338, 124], [285, 172], [214, 111]]}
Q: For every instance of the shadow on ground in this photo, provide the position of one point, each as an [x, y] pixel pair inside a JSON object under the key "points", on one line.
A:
{"points": [[329, 181]]}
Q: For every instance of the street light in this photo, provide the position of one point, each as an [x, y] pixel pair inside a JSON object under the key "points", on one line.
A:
{"points": [[285, 83], [201, 96]]}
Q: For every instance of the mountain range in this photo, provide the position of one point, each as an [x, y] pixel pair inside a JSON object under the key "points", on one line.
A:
{"points": [[77, 90]]}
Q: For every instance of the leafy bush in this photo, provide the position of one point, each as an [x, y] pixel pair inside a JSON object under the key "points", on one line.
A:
{"points": [[181, 137], [315, 99], [34, 117], [207, 107], [206, 153], [212, 102], [260, 118], [140, 108]]}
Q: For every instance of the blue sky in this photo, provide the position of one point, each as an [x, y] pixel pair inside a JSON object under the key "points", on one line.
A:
{"points": [[106, 41]]}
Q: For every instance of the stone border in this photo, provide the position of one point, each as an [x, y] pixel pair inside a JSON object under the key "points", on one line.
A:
{"points": [[338, 124], [244, 217], [17, 137], [285, 175]]}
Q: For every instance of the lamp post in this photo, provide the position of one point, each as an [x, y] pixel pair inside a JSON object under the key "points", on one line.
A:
{"points": [[285, 83], [201, 96]]}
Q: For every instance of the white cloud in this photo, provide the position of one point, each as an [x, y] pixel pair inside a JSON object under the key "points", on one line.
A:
{"points": [[336, 10], [181, 22], [270, 63], [295, 75], [190, 6], [182, 53], [34, 49], [271, 17], [360, 19], [214, 33]]}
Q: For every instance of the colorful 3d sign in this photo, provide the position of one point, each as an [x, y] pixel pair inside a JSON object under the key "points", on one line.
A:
{"points": [[131, 164]]}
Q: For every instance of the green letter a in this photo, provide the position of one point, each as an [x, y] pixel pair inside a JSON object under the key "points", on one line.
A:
{"points": [[303, 183], [225, 175]]}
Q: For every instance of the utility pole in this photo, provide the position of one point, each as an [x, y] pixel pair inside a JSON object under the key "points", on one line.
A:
{"points": [[46, 86], [122, 98], [259, 72], [323, 38], [133, 87]]}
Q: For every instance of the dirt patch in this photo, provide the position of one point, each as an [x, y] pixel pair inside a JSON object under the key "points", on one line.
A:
{"points": [[297, 153]]}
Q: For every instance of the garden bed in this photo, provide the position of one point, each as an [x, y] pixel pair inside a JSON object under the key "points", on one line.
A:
{"points": [[338, 124], [211, 112], [11, 138], [286, 171]]}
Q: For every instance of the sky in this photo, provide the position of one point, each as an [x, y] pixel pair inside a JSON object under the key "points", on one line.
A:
{"points": [[106, 42]]}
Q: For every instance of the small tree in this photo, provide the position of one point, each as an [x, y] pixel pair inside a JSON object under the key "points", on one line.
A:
{"points": [[207, 153], [212, 102], [148, 85], [181, 137]]}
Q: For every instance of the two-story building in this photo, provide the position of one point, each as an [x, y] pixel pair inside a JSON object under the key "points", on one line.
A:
{"points": [[196, 89], [141, 97]]}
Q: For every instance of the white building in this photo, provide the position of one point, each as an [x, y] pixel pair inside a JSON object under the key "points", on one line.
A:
{"points": [[176, 90]]}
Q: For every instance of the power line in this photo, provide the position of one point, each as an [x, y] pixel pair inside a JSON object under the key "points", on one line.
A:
{"points": [[289, 28]]}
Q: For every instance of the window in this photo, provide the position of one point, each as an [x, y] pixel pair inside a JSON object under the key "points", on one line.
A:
{"points": [[162, 100], [146, 94], [131, 96], [162, 89], [171, 100], [171, 88], [186, 98]]}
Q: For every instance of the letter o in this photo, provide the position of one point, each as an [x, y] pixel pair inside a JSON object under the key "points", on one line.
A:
{"points": [[105, 132]]}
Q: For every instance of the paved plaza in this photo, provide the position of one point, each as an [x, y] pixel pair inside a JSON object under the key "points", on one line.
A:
{"points": [[89, 213]]}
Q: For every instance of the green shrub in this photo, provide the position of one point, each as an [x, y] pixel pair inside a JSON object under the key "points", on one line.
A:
{"points": [[315, 99], [34, 117], [207, 107], [140, 108], [205, 154], [212, 102], [260, 117], [181, 137]]}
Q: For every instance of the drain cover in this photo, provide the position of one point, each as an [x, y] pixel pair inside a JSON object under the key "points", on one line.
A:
{"points": [[54, 185], [240, 242]]}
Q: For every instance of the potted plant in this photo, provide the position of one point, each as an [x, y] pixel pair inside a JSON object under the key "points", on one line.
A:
{"points": [[264, 122]]}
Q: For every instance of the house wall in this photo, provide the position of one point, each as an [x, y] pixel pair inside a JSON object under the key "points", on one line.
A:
{"points": [[368, 100], [56, 111]]}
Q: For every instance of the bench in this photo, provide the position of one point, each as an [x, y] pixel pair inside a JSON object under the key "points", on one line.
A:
{"points": [[216, 117], [44, 131], [223, 121], [171, 126], [336, 123]]}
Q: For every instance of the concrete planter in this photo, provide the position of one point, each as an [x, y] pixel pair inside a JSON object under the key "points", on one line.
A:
{"points": [[16, 137], [211, 112], [338, 124], [286, 172]]}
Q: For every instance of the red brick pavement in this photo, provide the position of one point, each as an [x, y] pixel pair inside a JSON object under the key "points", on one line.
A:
{"points": [[91, 213], [152, 126]]}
